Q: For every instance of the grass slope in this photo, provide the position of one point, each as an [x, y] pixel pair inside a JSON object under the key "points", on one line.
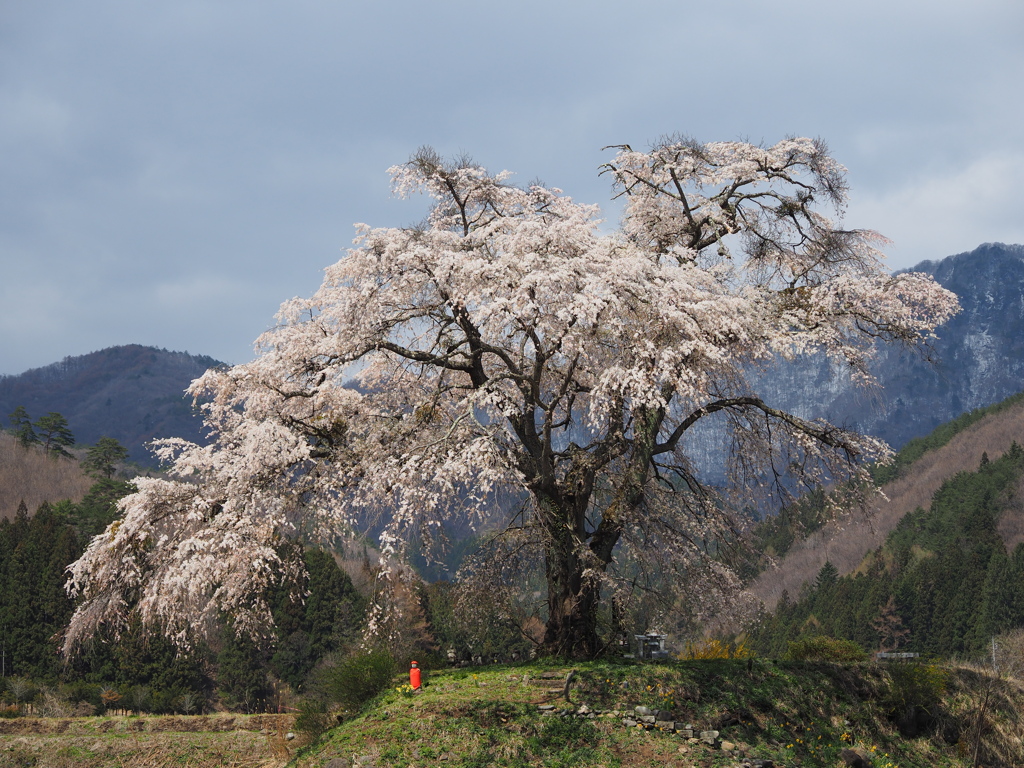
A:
{"points": [[31, 476], [791, 713]]}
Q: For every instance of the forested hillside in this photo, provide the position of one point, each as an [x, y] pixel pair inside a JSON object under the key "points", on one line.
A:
{"points": [[147, 673], [944, 583], [132, 393], [802, 540]]}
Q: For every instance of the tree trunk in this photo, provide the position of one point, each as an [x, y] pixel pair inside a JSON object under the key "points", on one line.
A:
{"points": [[573, 597], [571, 630], [573, 594]]}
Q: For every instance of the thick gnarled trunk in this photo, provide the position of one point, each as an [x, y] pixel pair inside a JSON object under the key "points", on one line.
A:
{"points": [[571, 574], [573, 598], [576, 558]]}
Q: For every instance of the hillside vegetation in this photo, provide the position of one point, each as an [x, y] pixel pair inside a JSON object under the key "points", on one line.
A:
{"points": [[31, 476], [921, 469], [943, 584], [132, 393]]}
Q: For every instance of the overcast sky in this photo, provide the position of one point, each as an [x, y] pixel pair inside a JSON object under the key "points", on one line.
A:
{"points": [[171, 172]]}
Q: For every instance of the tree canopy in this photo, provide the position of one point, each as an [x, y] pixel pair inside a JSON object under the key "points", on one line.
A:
{"points": [[510, 354]]}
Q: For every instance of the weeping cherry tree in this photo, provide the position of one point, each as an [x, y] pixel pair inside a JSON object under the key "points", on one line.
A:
{"points": [[511, 354]]}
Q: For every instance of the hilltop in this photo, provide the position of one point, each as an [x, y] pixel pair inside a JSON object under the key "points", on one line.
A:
{"points": [[758, 712]]}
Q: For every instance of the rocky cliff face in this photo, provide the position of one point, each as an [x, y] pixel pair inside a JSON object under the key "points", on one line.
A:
{"points": [[977, 360]]}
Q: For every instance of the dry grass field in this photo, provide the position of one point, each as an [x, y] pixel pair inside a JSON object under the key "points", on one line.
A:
{"points": [[32, 476], [253, 741]]}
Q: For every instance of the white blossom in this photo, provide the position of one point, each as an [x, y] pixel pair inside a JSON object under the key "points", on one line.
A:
{"points": [[508, 348]]}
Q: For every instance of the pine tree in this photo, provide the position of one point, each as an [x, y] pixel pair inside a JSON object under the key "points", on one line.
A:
{"points": [[21, 425], [101, 460], [54, 434]]}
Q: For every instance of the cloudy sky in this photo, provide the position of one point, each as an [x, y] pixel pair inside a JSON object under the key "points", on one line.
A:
{"points": [[171, 172]]}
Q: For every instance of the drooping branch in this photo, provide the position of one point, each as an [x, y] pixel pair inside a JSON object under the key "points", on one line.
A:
{"points": [[511, 349], [823, 433]]}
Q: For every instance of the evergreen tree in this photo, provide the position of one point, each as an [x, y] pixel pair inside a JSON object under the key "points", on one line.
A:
{"points": [[54, 434], [996, 600], [21, 425], [101, 460], [326, 621], [827, 577], [99, 507], [242, 674]]}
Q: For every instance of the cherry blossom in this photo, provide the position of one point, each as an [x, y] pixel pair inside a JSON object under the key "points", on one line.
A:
{"points": [[510, 355]]}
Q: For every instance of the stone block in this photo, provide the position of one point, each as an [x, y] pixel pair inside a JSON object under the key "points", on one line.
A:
{"points": [[856, 758]]}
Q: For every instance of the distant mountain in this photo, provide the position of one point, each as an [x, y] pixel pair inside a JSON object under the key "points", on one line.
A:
{"points": [[132, 393], [978, 357]]}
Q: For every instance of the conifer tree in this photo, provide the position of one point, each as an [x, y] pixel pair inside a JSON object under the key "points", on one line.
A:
{"points": [[21, 425], [54, 434], [101, 460]]}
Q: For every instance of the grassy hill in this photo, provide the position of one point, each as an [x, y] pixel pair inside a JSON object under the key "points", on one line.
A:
{"points": [[789, 713]]}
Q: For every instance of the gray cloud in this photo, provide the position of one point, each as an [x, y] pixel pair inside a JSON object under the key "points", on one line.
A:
{"points": [[170, 173]]}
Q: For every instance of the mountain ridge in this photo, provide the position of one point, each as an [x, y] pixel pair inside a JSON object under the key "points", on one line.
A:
{"points": [[132, 393]]}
